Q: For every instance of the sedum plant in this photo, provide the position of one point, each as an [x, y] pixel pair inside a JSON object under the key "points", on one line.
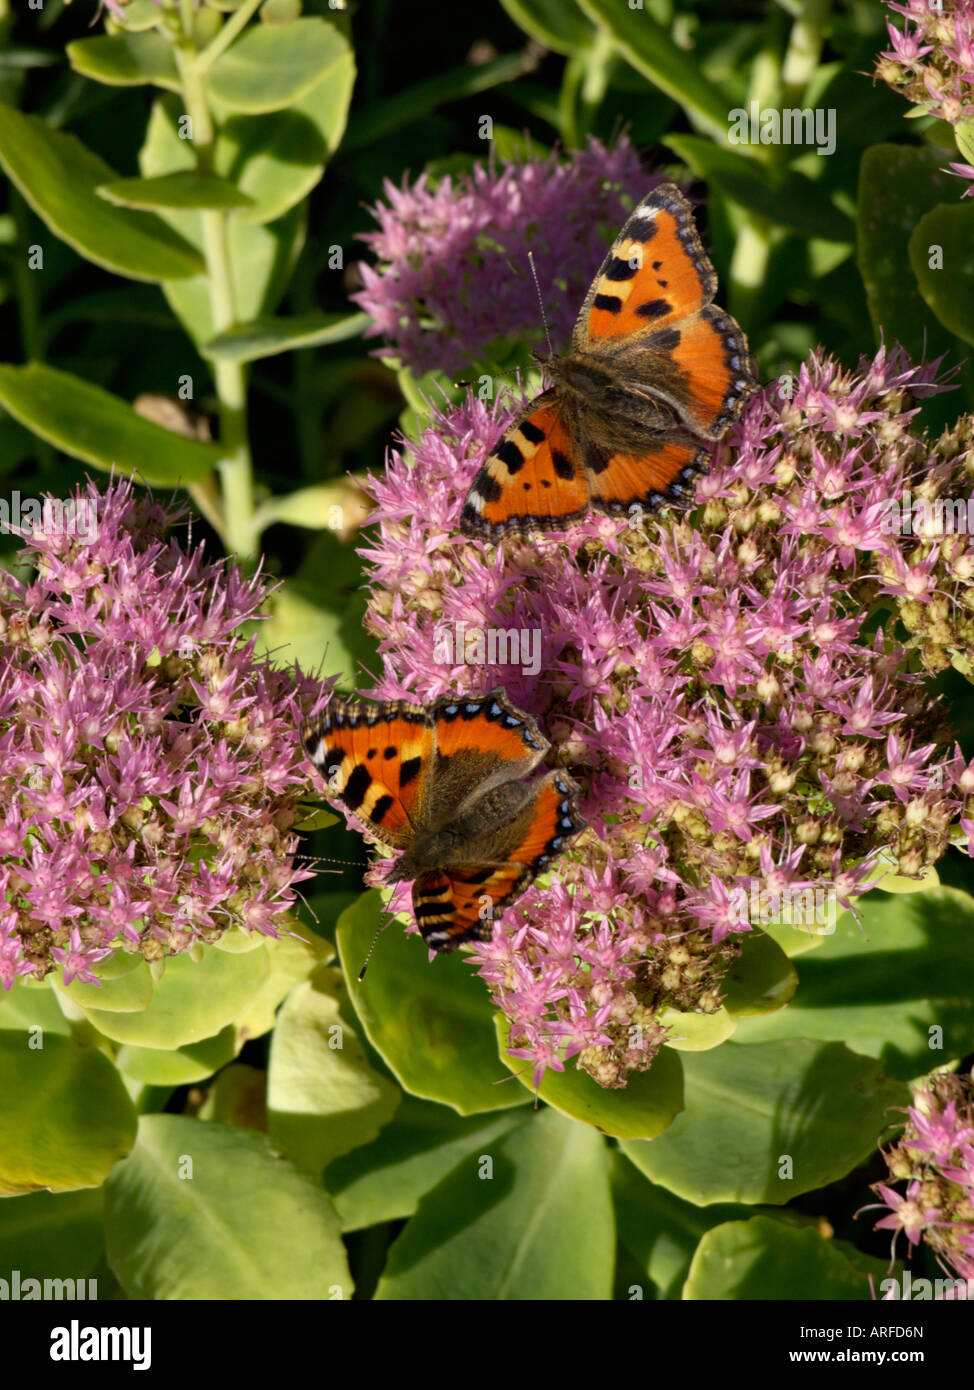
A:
{"points": [[245, 248]]}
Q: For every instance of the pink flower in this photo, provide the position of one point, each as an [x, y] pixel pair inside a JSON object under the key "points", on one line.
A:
{"points": [[712, 685], [931, 63], [935, 1157], [906, 1213], [453, 280], [78, 961], [149, 765]]}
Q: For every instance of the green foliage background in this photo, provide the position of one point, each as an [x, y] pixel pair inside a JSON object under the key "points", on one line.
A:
{"points": [[253, 1125]]}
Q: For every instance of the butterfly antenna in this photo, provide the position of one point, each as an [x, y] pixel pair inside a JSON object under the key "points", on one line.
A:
{"points": [[324, 859], [378, 932], [537, 286]]}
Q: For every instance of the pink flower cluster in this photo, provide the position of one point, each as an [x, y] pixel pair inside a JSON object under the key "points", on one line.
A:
{"points": [[935, 1158], [149, 773], [729, 694], [930, 61], [454, 279]]}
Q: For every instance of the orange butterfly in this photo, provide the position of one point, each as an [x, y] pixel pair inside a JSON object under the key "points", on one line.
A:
{"points": [[459, 786], [655, 371]]}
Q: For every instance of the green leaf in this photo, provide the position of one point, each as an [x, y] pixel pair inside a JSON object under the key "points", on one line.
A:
{"points": [[280, 11], [964, 136], [261, 256], [124, 985], [31, 1005], [265, 337], [384, 1180], [885, 876], [193, 1001], [378, 118], [90, 424], [661, 1232], [65, 1119], [794, 941], [642, 1110], [783, 196], [269, 67], [203, 1211], [761, 980], [765, 1258], [949, 289], [323, 1098], [651, 51], [179, 1066], [315, 508], [319, 819], [899, 988], [51, 1235], [690, 1032], [431, 1024], [558, 24], [317, 617], [749, 1110], [274, 159], [141, 15], [325, 910], [58, 176], [292, 959], [529, 1218], [898, 184], [183, 190], [126, 60], [277, 158]]}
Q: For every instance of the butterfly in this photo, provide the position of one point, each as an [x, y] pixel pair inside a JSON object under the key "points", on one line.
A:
{"points": [[453, 786], [655, 371]]}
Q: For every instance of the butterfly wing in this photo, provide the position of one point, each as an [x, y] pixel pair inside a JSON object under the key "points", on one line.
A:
{"points": [[376, 759], [456, 905], [650, 310], [662, 472], [533, 480], [481, 741]]}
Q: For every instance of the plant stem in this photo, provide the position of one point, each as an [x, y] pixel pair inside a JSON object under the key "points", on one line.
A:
{"points": [[227, 34], [230, 378], [749, 267], [206, 495], [804, 49]]}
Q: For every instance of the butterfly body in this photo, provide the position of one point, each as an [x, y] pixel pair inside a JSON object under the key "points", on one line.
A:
{"points": [[457, 786], [467, 834], [656, 372]]}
